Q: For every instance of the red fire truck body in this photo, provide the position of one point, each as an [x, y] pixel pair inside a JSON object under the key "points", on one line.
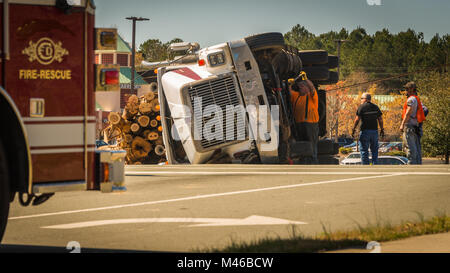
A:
{"points": [[47, 97]]}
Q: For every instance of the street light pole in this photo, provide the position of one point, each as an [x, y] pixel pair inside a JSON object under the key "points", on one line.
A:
{"points": [[133, 50]]}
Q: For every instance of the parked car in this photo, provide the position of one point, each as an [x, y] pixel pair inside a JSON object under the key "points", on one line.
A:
{"points": [[393, 146], [354, 146], [352, 159], [382, 145], [100, 143], [344, 141], [392, 160], [355, 159], [104, 146]]}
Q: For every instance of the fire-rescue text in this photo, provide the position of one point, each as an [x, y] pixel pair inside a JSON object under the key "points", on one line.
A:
{"points": [[45, 74]]}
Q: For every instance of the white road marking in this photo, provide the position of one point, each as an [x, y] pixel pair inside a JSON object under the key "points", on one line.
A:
{"points": [[149, 173], [365, 179], [253, 220]]}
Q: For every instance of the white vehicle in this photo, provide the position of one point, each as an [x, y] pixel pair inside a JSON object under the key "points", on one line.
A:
{"points": [[355, 159], [233, 105]]}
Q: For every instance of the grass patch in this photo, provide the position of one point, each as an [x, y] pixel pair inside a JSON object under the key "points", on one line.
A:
{"points": [[326, 241]]}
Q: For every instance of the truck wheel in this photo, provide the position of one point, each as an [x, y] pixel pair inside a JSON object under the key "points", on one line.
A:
{"points": [[333, 79], [310, 57], [325, 147], [333, 61], [271, 40], [317, 73], [4, 192]]}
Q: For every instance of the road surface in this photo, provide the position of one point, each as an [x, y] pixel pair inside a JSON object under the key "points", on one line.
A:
{"points": [[194, 208]]}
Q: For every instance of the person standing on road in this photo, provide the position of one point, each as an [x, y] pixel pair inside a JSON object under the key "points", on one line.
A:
{"points": [[306, 112], [412, 116], [370, 116]]}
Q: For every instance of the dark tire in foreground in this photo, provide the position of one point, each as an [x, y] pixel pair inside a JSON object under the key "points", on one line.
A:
{"points": [[4, 192]]}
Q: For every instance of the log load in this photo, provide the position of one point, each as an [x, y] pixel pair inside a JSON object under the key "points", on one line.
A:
{"points": [[138, 130]]}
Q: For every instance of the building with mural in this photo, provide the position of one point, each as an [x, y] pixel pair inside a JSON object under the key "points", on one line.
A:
{"points": [[113, 101]]}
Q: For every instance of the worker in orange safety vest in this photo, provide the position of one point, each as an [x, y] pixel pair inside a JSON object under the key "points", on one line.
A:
{"points": [[412, 116], [305, 104]]}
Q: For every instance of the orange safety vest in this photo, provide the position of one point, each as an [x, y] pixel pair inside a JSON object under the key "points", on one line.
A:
{"points": [[420, 115], [306, 108]]}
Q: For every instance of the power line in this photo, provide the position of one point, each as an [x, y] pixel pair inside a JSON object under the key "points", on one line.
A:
{"points": [[389, 78]]}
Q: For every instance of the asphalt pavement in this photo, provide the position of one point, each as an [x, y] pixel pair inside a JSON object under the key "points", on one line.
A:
{"points": [[195, 208]]}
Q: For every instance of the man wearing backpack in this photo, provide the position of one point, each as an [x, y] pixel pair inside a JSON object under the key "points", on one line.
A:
{"points": [[413, 115]]}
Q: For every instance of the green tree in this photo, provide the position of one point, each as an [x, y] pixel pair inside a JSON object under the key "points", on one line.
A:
{"points": [[380, 55], [155, 50], [434, 90], [300, 37]]}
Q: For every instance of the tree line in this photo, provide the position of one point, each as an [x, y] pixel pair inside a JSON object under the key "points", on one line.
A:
{"points": [[363, 56], [381, 55]]}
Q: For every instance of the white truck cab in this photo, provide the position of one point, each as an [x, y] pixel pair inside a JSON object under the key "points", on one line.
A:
{"points": [[232, 104]]}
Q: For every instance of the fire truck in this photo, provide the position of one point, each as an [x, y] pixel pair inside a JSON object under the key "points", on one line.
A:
{"points": [[232, 103], [47, 101]]}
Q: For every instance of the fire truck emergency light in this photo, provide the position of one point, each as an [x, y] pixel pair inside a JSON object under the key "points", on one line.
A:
{"points": [[107, 77], [110, 76]]}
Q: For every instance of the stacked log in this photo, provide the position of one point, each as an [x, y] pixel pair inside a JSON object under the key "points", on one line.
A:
{"points": [[138, 130]]}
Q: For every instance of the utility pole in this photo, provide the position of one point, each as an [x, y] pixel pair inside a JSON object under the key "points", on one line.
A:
{"points": [[339, 43], [133, 50]]}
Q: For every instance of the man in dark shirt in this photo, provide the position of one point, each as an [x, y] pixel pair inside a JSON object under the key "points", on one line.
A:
{"points": [[370, 116]]}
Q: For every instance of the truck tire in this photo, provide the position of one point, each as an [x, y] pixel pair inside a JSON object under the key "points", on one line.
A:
{"points": [[287, 64], [4, 192], [271, 40], [325, 147], [333, 79], [333, 61], [310, 57], [317, 73]]}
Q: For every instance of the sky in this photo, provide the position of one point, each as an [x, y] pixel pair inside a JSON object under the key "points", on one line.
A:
{"points": [[211, 22]]}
